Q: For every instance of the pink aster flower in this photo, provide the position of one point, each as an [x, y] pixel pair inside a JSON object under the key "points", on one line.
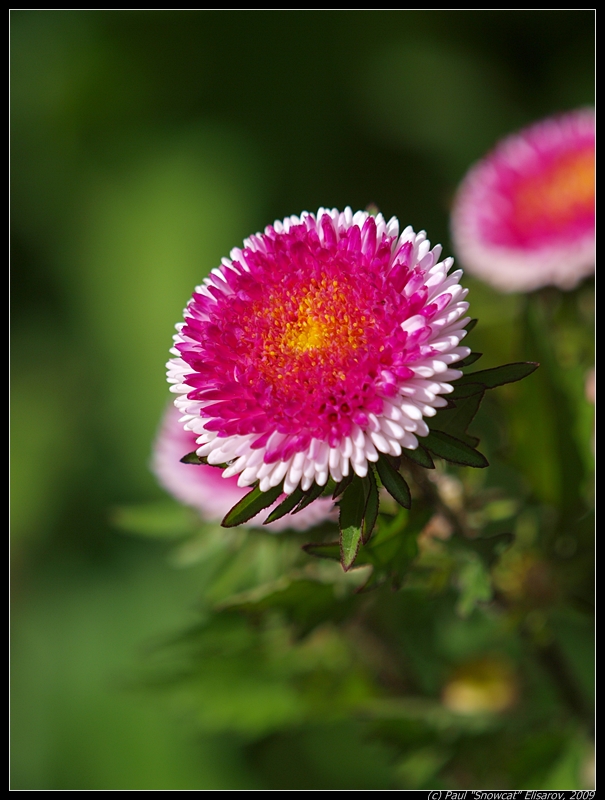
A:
{"points": [[322, 343], [524, 216], [203, 487]]}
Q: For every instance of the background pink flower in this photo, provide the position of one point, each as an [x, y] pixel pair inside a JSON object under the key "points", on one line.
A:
{"points": [[203, 487], [524, 216]]}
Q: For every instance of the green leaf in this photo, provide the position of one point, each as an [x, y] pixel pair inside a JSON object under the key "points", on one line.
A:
{"points": [[471, 325], [393, 482], [420, 456], [454, 450], [310, 495], [393, 547], [498, 376], [352, 507], [191, 458], [455, 420], [329, 488], [329, 550], [470, 359], [285, 506], [250, 505], [371, 505], [342, 485], [465, 390]]}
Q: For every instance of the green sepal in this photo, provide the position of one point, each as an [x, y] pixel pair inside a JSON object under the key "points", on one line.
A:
{"points": [[464, 390], [470, 359], [420, 456], [329, 488], [193, 458], [455, 450], [471, 325], [250, 505], [370, 513], [286, 506], [342, 485], [393, 482], [498, 376], [350, 521], [310, 495], [456, 419]]}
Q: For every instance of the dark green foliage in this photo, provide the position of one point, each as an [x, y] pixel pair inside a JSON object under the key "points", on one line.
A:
{"points": [[470, 359], [370, 490], [393, 482], [192, 458], [420, 456], [350, 521], [286, 506], [498, 376], [250, 505], [312, 494], [455, 450]]}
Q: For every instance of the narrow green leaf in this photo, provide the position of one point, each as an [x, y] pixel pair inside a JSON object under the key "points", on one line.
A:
{"points": [[498, 376], [328, 489], [250, 505], [471, 325], [420, 456], [456, 420], [371, 505], [470, 359], [465, 390], [352, 506], [285, 506], [393, 482], [454, 450], [342, 485], [191, 458], [310, 495], [323, 550]]}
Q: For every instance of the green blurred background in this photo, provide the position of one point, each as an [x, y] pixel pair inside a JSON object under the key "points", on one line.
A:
{"points": [[145, 145]]}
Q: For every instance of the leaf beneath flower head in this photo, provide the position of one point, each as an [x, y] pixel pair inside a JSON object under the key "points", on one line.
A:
{"points": [[455, 420], [309, 496], [393, 482], [420, 456], [352, 507], [464, 390], [498, 376], [286, 506], [193, 458], [454, 450], [371, 505], [250, 505], [342, 485], [470, 359]]}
